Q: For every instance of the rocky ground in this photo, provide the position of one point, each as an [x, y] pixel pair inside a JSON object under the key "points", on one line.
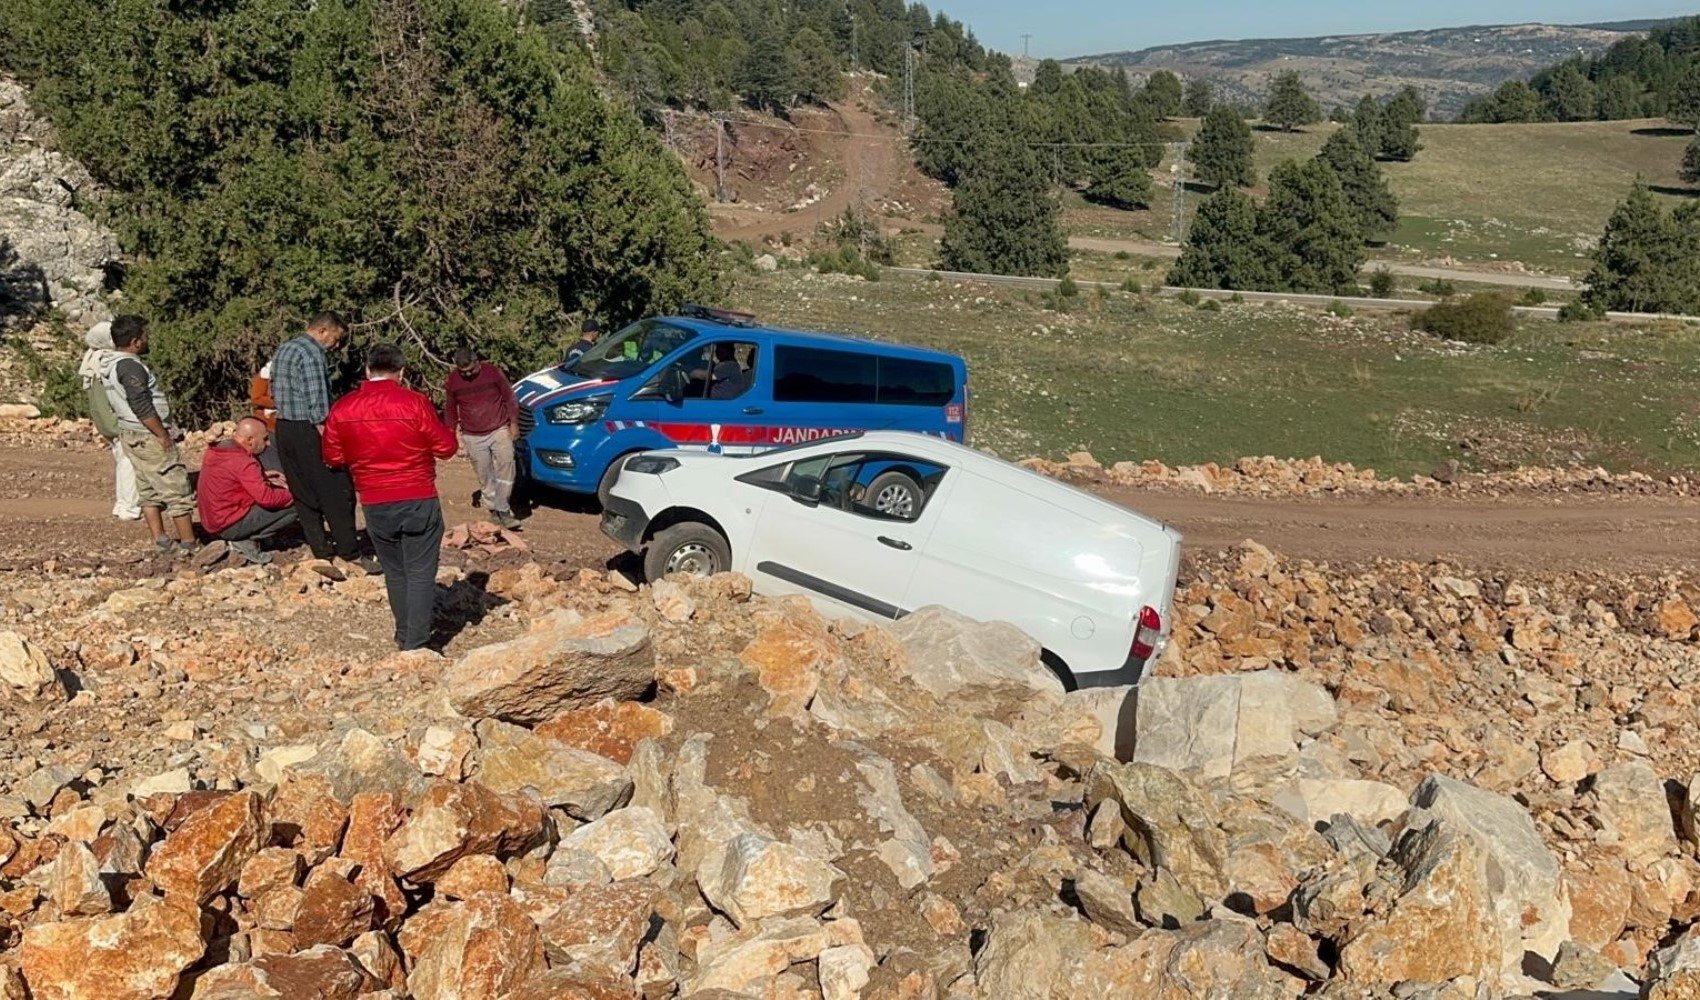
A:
{"points": [[1389, 779]]}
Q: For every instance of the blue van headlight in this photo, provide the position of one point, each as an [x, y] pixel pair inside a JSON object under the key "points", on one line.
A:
{"points": [[578, 411]]}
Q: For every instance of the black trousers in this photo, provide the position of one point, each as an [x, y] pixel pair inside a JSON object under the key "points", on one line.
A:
{"points": [[408, 535], [323, 495], [259, 524]]}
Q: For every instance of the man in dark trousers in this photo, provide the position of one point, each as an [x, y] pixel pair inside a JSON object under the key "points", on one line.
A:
{"points": [[478, 404], [301, 388], [390, 440]]}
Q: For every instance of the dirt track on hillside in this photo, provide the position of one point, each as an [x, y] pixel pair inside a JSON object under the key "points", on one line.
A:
{"points": [[55, 503]]}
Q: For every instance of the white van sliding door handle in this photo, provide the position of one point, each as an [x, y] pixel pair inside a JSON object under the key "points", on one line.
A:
{"points": [[895, 543]]}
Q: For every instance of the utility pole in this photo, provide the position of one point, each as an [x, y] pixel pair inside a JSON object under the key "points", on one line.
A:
{"points": [[1024, 40], [719, 157], [1177, 173], [855, 48], [909, 87]]}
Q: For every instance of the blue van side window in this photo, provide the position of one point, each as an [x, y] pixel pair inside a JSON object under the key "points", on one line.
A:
{"points": [[809, 375], [907, 382]]}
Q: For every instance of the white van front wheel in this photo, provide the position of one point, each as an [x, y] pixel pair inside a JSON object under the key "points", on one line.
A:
{"points": [[895, 494], [691, 547]]}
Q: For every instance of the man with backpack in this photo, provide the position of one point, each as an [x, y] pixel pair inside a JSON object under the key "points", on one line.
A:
{"points": [[125, 505], [138, 402]]}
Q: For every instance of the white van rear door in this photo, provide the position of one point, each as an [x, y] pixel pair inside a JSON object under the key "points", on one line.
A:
{"points": [[1074, 583]]}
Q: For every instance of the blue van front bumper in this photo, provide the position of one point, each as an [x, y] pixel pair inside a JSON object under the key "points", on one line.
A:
{"points": [[558, 456]]}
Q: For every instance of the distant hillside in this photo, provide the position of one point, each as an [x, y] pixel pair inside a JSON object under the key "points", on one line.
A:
{"points": [[1448, 65]]}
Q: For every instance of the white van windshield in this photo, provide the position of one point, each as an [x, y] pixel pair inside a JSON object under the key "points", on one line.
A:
{"points": [[632, 350]]}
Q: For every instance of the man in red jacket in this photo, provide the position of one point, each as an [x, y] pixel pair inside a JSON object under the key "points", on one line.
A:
{"points": [[239, 501], [390, 440]]}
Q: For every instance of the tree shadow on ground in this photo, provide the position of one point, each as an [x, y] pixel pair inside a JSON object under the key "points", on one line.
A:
{"points": [[1675, 192], [1662, 131]]}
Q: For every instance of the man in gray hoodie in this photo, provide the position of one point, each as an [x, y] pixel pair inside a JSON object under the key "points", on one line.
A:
{"points": [[99, 356], [162, 480]]}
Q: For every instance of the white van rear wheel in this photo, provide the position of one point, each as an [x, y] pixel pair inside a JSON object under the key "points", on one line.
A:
{"points": [[691, 547], [895, 494]]}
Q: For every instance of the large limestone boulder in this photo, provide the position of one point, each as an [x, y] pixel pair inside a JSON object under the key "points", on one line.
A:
{"points": [[1525, 885], [454, 820], [1211, 726], [1442, 924], [567, 661], [1629, 802], [1028, 954], [482, 947], [139, 954], [1169, 823], [1673, 973], [322, 972], [945, 651], [510, 758], [205, 855], [756, 877], [24, 669], [1318, 800], [630, 843], [1222, 959]]}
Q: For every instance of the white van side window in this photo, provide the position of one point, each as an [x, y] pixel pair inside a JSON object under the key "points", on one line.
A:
{"points": [[884, 486]]}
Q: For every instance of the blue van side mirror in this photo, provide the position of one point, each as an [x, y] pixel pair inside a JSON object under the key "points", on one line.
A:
{"points": [[673, 384]]}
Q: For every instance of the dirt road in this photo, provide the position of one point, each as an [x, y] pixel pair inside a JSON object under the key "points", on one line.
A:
{"points": [[54, 503]]}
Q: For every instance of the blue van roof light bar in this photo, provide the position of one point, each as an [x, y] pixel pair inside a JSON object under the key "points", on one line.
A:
{"points": [[714, 314]]}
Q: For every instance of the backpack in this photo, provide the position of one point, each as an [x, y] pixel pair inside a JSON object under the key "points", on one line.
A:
{"points": [[100, 410]]}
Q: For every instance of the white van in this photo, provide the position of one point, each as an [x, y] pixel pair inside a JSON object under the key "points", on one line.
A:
{"points": [[881, 523]]}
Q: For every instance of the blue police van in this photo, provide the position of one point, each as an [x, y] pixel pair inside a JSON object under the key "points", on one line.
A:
{"points": [[715, 380]]}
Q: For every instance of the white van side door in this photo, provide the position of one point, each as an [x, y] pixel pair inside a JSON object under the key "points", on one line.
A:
{"points": [[818, 538]]}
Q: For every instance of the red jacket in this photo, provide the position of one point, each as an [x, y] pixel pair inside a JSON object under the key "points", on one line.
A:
{"points": [[390, 439], [231, 485]]}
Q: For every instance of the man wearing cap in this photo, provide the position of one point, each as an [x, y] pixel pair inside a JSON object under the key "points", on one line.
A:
{"points": [[587, 337], [126, 505]]}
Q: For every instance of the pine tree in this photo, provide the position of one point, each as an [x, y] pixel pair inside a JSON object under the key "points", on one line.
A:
{"points": [[1372, 201], [768, 79], [1644, 261], [1513, 101], [1120, 179], [1290, 104], [1685, 98], [1005, 217], [814, 67], [1619, 97], [1691, 162], [1223, 152], [1198, 99], [1368, 123], [1163, 90], [1222, 249], [1569, 96], [1399, 138], [1307, 231]]}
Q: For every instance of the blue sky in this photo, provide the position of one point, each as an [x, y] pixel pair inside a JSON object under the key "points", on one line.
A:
{"points": [[1087, 27]]}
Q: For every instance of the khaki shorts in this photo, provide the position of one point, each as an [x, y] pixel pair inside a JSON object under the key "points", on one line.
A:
{"points": [[162, 480]]}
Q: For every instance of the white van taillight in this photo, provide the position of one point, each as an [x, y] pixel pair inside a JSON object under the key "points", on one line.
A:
{"points": [[1147, 635]]}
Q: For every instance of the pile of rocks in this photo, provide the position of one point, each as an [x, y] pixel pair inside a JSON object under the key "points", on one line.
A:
{"points": [[1270, 476], [688, 791]]}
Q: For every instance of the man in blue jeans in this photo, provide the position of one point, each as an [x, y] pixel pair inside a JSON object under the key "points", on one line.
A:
{"points": [[389, 439]]}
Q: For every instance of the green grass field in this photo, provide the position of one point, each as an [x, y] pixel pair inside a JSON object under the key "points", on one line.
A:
{"points": [[1127, 378], [1480, 194]]}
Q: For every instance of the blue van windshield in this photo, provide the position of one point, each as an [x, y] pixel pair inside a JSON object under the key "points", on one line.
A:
{"points": [[632, 350]]}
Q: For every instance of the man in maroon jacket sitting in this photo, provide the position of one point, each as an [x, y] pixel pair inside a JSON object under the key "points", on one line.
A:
{"points": [[390, 440], [239, 501]]}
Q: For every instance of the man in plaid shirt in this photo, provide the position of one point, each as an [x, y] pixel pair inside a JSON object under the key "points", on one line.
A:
{"points": [[301, 388]]}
